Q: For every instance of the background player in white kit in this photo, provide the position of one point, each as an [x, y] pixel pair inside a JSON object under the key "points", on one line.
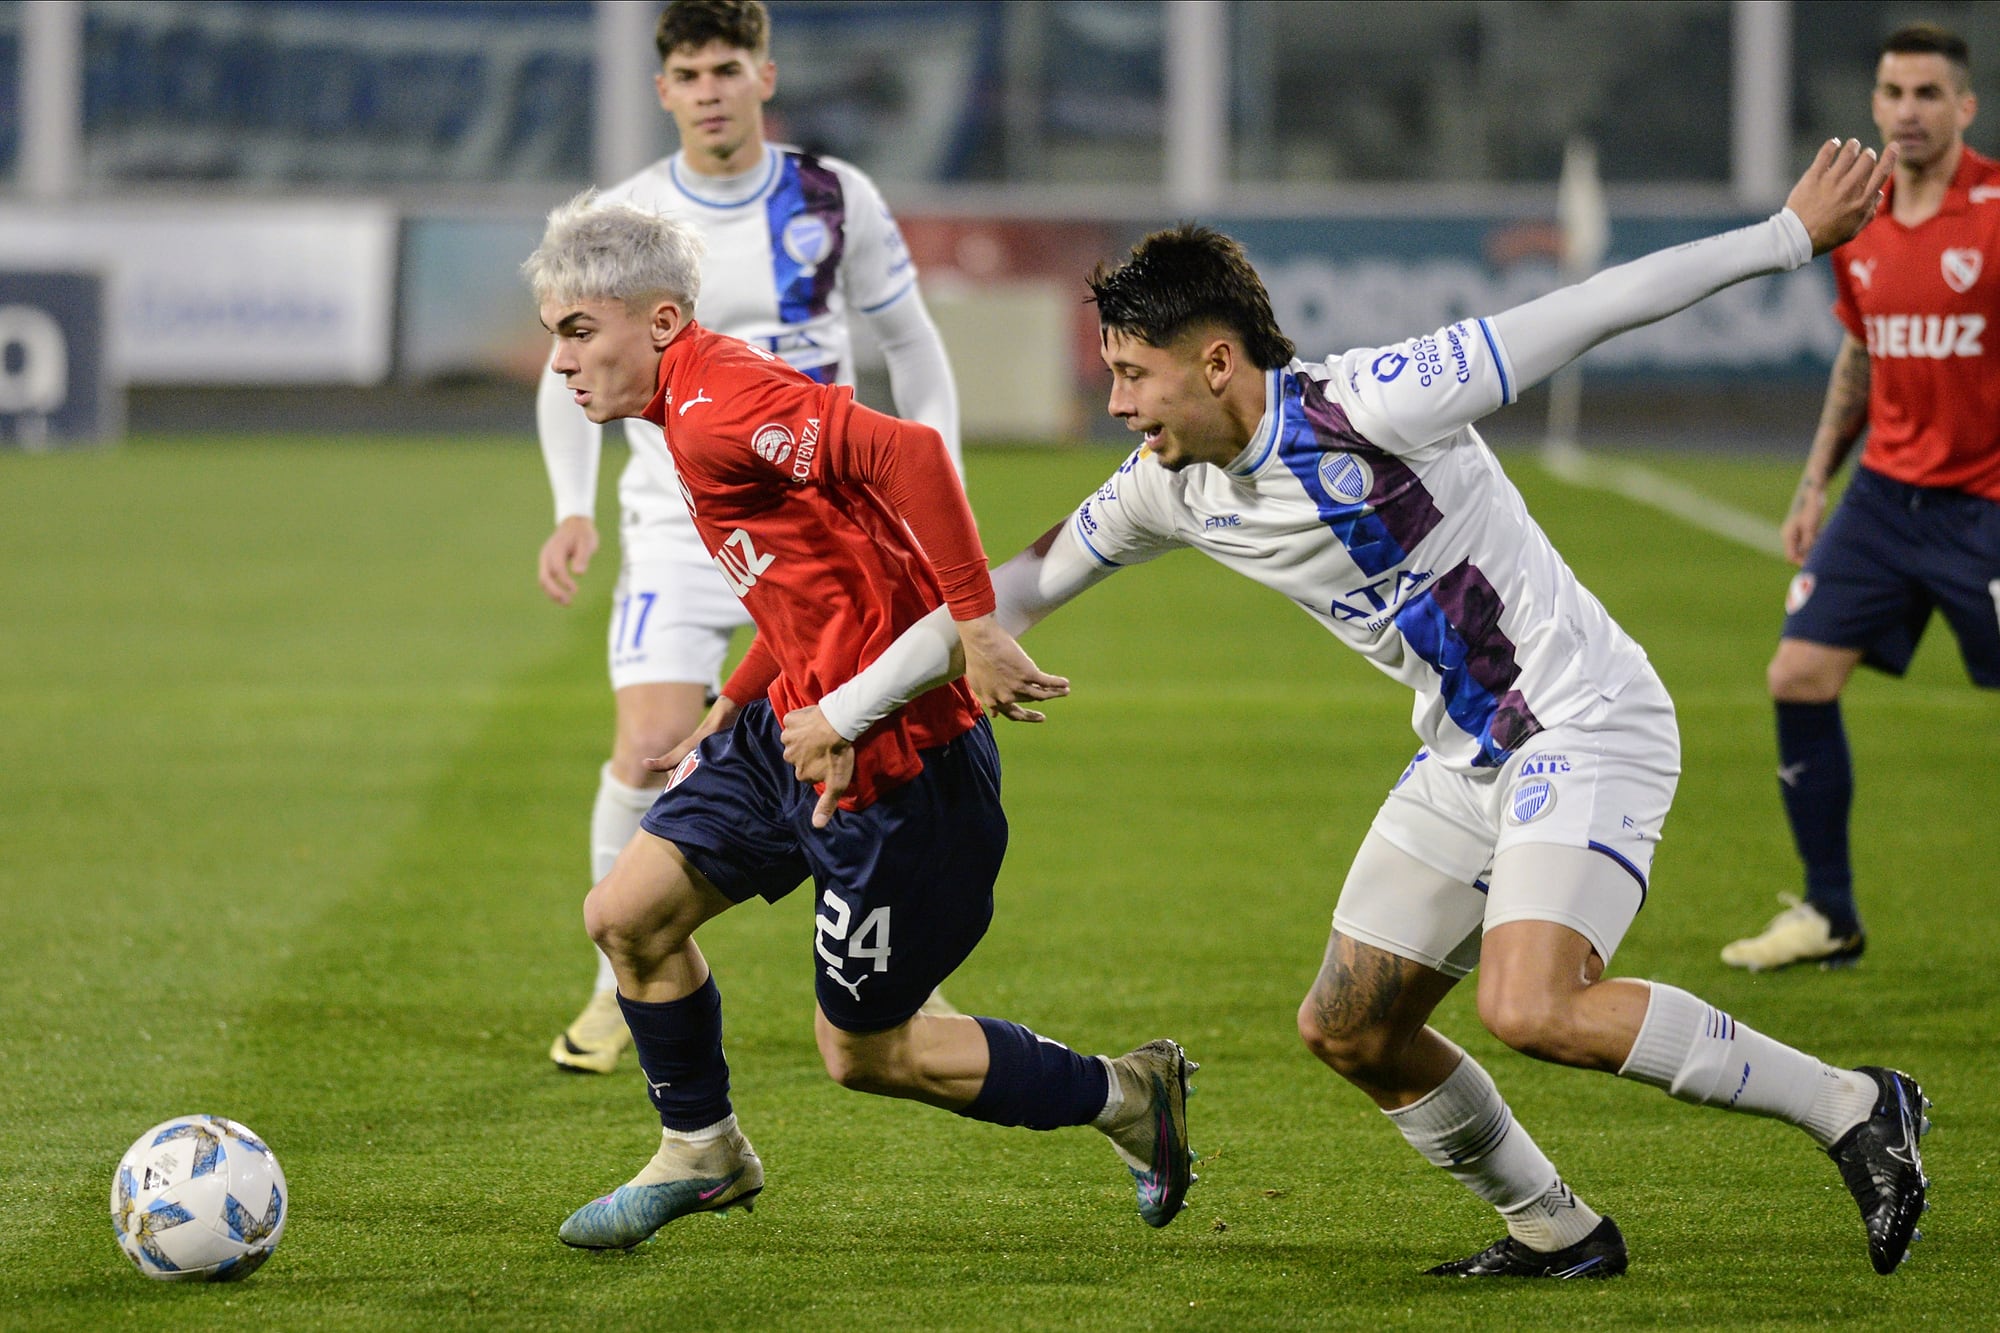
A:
{"points": [[797, 246], [1520, 838]]}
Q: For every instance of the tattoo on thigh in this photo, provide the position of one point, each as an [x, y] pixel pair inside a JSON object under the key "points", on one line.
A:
{"points": [[1357, 987]]}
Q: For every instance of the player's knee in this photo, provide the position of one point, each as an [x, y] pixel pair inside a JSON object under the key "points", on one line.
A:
{"points": [[1528, 1020], [1794, 680], [601, 921], [1338, 1040], [857, 1068]]}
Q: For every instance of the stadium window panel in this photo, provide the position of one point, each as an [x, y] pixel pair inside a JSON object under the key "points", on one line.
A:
{"points": [[1471, 90], [10, 89], [372, 92]]}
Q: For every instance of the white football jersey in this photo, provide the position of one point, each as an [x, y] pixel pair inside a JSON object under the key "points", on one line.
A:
{"points": [[1367, 498], [792, 250]]}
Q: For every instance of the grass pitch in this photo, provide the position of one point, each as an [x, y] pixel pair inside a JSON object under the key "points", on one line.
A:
{"points": [[295, 763]]}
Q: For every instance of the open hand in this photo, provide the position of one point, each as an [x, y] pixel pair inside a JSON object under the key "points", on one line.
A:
{"points": [[1001, 675], [1840, 191]]}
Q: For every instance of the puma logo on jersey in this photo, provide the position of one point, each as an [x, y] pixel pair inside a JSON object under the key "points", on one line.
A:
{"points": [[700, 396], [1980, 194], [1935, 336], [1862, 271], [740, 562]]}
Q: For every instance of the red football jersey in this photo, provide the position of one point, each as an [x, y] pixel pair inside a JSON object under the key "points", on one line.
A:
{"points": [[1925, 303], [834, 524]]}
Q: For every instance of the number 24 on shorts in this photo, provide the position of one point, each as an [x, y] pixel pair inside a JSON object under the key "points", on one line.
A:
{"points": [[869, 942]]}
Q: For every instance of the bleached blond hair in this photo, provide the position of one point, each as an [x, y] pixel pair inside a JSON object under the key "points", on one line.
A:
{"points": [[594, 250]]}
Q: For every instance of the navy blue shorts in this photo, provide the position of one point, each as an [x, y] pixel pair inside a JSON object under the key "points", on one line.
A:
{"points": [[1890, 555], [906, 885]]}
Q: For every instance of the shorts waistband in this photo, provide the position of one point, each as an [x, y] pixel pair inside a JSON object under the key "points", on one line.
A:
{"points": [[1908, 495]]}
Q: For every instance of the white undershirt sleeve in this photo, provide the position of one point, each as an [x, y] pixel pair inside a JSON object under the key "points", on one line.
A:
{"points": [[1025, 590], [571, 444], [919, 371], [1544, 335]]}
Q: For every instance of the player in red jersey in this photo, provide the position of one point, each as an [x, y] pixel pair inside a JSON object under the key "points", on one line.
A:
{"points": [[839, 528], [1919, 527]]}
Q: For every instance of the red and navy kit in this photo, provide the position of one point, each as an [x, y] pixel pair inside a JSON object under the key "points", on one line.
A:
{"points": [[1918, 529], [833, 523], [1926, 302], [839, 528]]}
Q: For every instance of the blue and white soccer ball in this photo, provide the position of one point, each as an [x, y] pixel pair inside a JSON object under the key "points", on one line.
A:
{"points": [[198, 1199]]}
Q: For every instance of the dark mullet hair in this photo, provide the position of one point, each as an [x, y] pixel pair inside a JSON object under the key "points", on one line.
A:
{"points": [[1181, 279]]}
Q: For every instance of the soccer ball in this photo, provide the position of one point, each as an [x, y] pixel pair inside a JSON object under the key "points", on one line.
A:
{"points": [[198, 1199]]}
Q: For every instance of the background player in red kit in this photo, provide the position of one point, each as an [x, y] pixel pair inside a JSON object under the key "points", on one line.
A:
{"points": [[1919, 526], [809, 503]]}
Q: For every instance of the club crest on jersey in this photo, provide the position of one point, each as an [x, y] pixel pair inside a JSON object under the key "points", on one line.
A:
{"points": [[1346, 478], [1531, 800], [773, 443], [808, 241], [1796, 595], [683, 768], [1961, 268]]}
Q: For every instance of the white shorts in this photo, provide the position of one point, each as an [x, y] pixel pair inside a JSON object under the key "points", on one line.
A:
{"points": [[1601, 782], [671, 616]]}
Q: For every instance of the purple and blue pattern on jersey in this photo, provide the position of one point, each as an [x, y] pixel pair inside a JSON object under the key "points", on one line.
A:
{"points": [[808, 214], [1454, 624], [1370, 498]]}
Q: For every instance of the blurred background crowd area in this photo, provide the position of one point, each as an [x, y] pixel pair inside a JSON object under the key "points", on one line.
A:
{"points": [[336, 194]]}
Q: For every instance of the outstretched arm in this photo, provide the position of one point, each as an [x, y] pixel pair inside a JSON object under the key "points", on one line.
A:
{"points": [[907, 465], [1833, 200], [929, 653]]}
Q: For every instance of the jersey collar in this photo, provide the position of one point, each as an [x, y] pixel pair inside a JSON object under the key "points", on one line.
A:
{"points": [[724, 191], [1265, 439], [663, 396]]}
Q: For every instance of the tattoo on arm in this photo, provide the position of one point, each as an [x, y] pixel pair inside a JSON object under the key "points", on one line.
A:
{"points": [[1841, 419]]}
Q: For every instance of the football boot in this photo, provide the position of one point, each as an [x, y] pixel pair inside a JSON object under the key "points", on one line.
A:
{"points": [[1799, 934], [1600, 1254], [593, 1043], [1883, 1164], [1150, 1129], [709, 1177]]}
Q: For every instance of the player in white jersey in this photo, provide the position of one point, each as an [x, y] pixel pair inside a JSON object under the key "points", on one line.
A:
{"points": [[1520, 838], [798, 246]]}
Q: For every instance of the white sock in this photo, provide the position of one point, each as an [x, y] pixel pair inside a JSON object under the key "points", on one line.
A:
{"points": [[1463, 1125], [614, 818], [1699, 1054], [706, 1134], [1114, 1094]]}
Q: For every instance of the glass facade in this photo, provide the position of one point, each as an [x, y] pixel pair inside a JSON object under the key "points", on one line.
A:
{"points": [[1479, 90], [267, 95], [10, 89], [282, 93]]}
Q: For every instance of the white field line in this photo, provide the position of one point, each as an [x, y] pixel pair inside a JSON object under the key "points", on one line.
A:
{"points": [[1637, 482]]}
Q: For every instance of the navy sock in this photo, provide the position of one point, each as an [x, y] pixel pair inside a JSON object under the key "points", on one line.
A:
{"points": [[1816, 779], [1036, 1082], [680, 1049]]}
